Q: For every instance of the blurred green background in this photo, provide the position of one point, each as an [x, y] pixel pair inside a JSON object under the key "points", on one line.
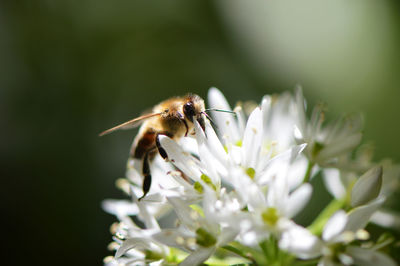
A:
{"points": [[70, 69]]}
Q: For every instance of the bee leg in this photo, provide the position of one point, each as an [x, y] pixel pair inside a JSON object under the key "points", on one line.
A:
{"points": [[186, 126], [161, 150], [146, 174]]}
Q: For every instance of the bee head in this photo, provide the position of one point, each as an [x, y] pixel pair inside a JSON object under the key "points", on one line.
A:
{"points": [[194, 107]]}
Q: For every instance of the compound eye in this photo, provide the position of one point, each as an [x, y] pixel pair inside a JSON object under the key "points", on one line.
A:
{"points": [[188, 110]]}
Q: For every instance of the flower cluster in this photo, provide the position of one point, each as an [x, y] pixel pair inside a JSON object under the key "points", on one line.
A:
{"points": [[231, 194]]}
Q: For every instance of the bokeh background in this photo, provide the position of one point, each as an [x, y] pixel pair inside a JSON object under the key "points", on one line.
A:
{"points": [[70, 69]]}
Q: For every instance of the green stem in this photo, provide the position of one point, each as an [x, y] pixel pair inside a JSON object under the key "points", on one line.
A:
{"points": [[239, 252], [307, 176], [318, 225]]}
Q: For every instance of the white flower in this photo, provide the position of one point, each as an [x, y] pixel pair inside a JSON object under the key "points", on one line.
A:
{"points": [[132, 243], [339, 183], [198, 233], [243, 189], [337, 237], [201, 235], [257, 144], [271, 212], [341, 230], [279, 120], [327, 143], [268, 212]]}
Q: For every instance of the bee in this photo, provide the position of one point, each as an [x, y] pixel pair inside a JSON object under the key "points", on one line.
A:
{"points": [[174, 118]]}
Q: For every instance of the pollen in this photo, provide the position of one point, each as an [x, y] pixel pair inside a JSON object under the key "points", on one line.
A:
{"points": [[120, 236], [251, 172], [198, 187], [208, 181], [194, 215], [191, 242], [270, 216], [113, 246], [362, 234], [122, 184], [179, 240], [239, 143], [108, 259], [114, 228]]}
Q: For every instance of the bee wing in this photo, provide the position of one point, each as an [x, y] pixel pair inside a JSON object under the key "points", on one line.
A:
{"points": [[129, 124]]}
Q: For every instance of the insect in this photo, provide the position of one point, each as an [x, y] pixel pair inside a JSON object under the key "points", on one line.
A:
{"points": [[174, 118]]}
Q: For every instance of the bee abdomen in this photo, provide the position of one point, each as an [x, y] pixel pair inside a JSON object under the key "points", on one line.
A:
{"points": [[144, 144]]}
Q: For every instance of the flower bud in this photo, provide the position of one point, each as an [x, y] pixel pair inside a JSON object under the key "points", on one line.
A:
{"points": [[367, 187]]}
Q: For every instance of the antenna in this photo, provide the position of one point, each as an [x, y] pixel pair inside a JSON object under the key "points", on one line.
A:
{"points": [[220, 110]]}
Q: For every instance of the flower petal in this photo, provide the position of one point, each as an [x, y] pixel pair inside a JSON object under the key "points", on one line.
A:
{"points": [[334, 226], [227, 235], [359, 217], [279, 165], [247, 189], [339, 147], [227, 125], [300, 241], [197, 257], [120, 208], [301, 111], [386, 218], [333, 182], [180, 158], [144, 213], [241, 118], [252, 139], [214, 144], [298, 200], [207, 158], [174, 238], [183, 211], [367, 257], [134, 242]]}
